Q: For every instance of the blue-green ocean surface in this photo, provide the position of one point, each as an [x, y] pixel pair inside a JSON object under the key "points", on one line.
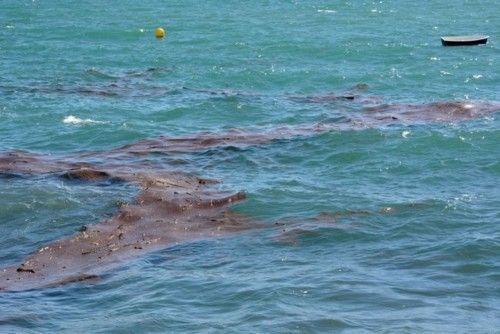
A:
{"points": [[389, 229]]}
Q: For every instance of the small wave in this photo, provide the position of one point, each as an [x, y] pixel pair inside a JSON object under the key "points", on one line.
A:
{"points": [[75, 120], [326, 11]]}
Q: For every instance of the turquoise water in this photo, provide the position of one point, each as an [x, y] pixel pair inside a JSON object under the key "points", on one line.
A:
{"points": [[81, 76]]}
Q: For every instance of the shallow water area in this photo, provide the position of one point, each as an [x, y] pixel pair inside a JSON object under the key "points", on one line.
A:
{"points": [[368, 212]]}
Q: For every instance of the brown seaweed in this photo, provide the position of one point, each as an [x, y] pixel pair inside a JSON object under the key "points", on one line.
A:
{"points": [[369, 117], [442, 111], [170, 207]]}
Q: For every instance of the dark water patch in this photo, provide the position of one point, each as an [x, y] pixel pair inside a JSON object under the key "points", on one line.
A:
{"points": [[471, 250], [353, 95], [111, 90], [146, 73], [297, 236], [318, 325], [438, 263], [230, 94], [84, 90], [99, 74], [328, 98], [474, 268], [347, 158], [14, 323], [315, 233], [9, 176]]}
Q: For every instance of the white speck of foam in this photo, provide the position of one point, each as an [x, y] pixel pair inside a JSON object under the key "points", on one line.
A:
{"points": [[75, 120], [326, 11], [405, 134]]}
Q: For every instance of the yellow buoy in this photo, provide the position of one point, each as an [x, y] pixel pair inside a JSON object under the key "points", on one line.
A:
{"points": [[160, 32]]}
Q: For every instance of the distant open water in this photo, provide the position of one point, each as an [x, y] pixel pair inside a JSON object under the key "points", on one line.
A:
{"points": [[415, 246]]}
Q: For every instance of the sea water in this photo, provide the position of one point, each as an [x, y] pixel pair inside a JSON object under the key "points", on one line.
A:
{"points": [[411, 242]]}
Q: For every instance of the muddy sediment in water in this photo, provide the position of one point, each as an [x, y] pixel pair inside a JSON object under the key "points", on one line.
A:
{"points": [[171, 207]]}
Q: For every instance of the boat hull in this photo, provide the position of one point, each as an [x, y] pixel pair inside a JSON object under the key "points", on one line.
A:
{"points": [[463, 40]]}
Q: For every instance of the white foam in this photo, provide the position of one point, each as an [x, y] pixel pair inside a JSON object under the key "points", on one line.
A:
{"points": [[326, 11], [75, 120]]}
